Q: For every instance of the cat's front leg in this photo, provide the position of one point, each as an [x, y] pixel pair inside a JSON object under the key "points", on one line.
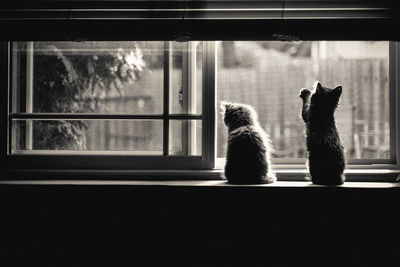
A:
{"points": [[305, 94]]}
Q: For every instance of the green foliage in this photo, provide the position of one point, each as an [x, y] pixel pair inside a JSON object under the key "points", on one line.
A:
{"points": [[77, 82]]}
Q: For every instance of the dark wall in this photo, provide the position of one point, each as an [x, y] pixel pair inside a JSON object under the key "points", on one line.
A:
{"points": [[51, 225]]}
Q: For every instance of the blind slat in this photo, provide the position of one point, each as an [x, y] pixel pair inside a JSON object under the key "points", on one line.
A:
{"points": [[199, 20], [329, 9], [219, 10]]}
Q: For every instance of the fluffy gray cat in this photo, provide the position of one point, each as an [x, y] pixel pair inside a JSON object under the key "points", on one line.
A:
{"points": [[326, 160], [248, 150]]}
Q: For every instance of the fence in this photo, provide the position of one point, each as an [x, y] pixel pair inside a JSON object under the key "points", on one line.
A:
{"points": [[272, 84]]}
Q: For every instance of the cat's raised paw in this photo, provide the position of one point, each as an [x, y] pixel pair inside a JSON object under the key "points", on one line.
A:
{"points": [[305, 93]]}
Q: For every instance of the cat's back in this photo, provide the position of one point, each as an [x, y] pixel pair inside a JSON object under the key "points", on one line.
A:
{"points": [[246, 154], [247, 135]]}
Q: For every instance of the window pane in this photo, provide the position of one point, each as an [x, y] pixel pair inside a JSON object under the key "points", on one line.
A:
{"points": [[88, 77], [199, 78], [142, 136], [186, 78], [269, 76], [176, 83], [185, 137]]}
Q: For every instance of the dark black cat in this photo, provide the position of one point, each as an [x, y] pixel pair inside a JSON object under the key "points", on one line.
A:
{"points": [[248, 150], [326, 161]]}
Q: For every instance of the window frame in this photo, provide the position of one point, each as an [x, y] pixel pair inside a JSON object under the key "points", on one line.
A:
{"points": [[205, 164], [57, 160], [394, 124]]}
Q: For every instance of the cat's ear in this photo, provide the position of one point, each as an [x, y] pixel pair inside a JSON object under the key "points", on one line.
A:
{"points": [[317, 86], [337, 91], [224, 106]]}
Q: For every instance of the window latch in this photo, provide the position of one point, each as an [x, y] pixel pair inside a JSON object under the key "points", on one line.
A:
{"points": [[180, 96]]}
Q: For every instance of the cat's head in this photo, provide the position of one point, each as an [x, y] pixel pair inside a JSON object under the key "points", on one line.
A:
{"points": [[325, 99], [236, 115]]}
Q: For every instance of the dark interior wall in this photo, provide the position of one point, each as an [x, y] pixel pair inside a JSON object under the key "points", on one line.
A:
{"points": [[52, 225]]}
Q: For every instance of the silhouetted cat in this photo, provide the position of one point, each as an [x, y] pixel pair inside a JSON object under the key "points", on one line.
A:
{"points": [[326, 161], [248, 150]]}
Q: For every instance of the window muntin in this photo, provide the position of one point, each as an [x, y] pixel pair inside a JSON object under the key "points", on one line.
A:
{"points": [[269, 76], [106, 97]]}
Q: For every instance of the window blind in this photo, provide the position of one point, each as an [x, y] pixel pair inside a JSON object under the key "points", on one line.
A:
{"points": [[201, 19], [196, 10]]}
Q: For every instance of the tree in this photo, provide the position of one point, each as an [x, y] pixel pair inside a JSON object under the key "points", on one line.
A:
{"points": [[74, 82]]}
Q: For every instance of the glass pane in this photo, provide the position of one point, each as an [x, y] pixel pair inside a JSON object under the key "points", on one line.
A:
{"points": [[141, 136], [185, 137], [176, 76], [269, 76], [199, 78], [186, 78], [88, 77]]}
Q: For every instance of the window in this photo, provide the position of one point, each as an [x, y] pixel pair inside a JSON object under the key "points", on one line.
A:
{"points": [[141, 101], [124, 105], [269, 75]]}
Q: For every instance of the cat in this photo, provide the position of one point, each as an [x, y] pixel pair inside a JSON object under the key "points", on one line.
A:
{"points": [[326, 160], [248, 150]]}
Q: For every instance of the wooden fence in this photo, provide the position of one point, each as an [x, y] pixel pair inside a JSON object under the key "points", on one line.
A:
{"points": [[272, 86]]}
